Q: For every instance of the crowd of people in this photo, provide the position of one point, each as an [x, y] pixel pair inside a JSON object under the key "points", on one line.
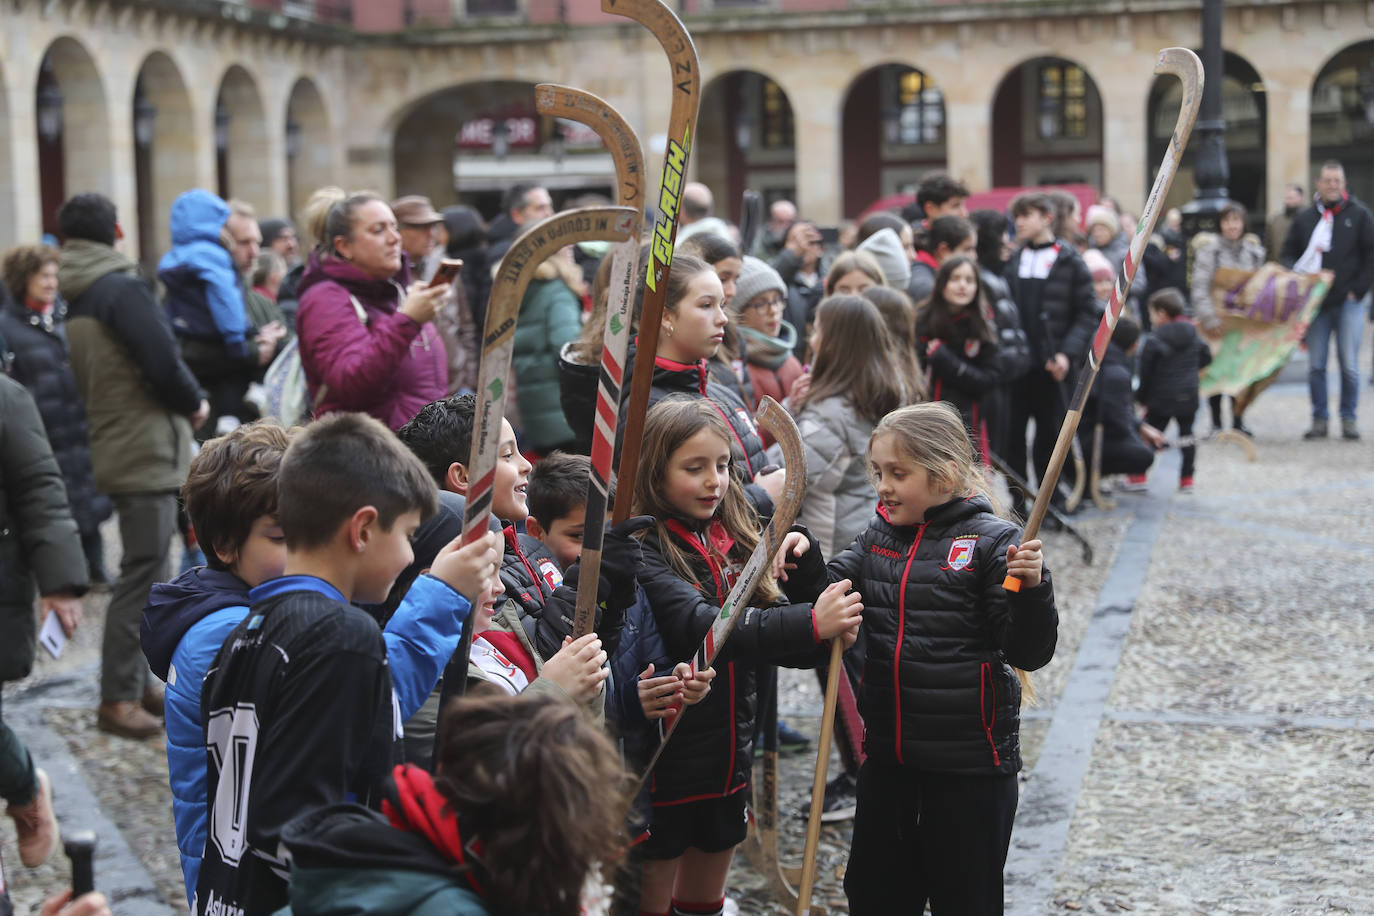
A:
{"points": [[300, 660]]}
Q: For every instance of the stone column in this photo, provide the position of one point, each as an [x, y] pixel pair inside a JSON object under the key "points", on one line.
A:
{"points": [[816, 111], [1289, 144], [19, 162]]}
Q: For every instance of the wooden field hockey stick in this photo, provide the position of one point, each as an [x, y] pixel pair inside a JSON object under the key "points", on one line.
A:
{"points": [[655, 16], [1185, 65], [1050, 510], [772, 417], [542, 241], [616, 135], [761, 844], [813, 826]]}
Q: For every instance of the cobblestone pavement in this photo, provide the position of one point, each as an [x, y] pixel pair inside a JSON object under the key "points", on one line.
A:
{"points": [[1203, 742]]}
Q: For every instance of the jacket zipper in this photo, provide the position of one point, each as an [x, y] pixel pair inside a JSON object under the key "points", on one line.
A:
{"points": [[986, 687], [901, 630]]}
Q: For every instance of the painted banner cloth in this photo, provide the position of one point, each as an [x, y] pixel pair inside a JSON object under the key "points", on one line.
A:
{"points": [[1264, 313]]}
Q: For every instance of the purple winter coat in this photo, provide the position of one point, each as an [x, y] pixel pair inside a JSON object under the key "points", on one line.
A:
{"points": [[388, 368]]}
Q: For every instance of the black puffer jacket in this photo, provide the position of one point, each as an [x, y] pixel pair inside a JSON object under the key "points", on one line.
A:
{"points": [[40, 360], [711, 753], [38, 539], [1013, 349], [938, 692], [962, 369], [1109, 402], [1351, 255], [1170, 359], [1069, 313]]}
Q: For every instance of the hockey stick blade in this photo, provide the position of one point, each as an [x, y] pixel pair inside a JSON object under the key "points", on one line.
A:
{"points": [[616, 135]]}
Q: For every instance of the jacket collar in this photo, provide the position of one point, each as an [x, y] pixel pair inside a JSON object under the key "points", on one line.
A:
{"points": [[683, 370]]}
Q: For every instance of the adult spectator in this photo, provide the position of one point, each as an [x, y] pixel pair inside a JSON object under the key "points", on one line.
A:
{"points": [[938, 194], [366, 343], [1276, 228], [1105, 235], [1335, 233], [421, 228], [782, 214], [142, 404], [696, 214], [265, 319], [524, 205], [39, 541], [280, 236], [419, 223], [467, 241], [33, 327], [801, 264], [550, 316], [1229, 250], [268, 274]]}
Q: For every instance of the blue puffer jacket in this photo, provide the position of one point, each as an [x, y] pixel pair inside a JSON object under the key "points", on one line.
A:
{"points": [[184, 625], [204, 299]]}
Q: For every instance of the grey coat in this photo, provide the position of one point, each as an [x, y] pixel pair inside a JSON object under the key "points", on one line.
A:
{"points": [[1243, 254], [839, 500]]}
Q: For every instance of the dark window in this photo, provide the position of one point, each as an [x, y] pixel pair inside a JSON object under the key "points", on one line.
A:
{"points": [[493, 7], [777, 117], [1063, 102]]}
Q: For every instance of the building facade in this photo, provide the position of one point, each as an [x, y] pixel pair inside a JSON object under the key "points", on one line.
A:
{"points": [[832, 104]]}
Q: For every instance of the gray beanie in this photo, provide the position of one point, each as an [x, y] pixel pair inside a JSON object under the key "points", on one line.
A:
{"points": [[886, 247], [755, 277]]}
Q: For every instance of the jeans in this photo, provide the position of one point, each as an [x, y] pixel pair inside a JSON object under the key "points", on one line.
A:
{"points": [[1346, 321]]}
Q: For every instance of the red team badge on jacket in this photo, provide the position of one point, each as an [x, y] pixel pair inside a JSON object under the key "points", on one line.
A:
{"points": [[961, 553]]}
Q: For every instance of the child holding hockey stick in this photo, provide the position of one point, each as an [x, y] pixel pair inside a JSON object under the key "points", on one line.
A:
{"points": [[940, 696], [705, 530]]}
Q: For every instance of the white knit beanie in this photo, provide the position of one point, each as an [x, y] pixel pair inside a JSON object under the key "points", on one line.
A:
{"points": [[755, 277], [886, 247]]}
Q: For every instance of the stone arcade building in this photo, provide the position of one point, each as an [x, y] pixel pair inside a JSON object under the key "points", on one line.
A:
{"points": [[833, 103]]}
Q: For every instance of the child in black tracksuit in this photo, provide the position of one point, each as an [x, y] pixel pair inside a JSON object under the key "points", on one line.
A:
{"points": [[1170, 360], [940, 695], [705, 531]]}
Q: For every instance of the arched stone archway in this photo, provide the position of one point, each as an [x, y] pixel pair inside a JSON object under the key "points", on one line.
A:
{"points": [[1342, 125], [469, 143], [8, 236], [309, 145], [746, 139], [241, 147], [1047, 125], [893, 132], [1244, 105], [73, 128], [164, 150]]}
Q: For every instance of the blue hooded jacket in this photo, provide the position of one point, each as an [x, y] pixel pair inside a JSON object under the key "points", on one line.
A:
{"points": [[204, 299], [186, 622]]}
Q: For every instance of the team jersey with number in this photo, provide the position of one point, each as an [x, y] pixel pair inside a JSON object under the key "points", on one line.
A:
{"points": [[299, 713]]}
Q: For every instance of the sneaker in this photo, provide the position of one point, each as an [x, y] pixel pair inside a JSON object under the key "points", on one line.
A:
{"points": [[1185, 484], [790, 740], [1348, 430], [35, 827], [1135, 483], [1318, 431], [127, 720], [1242, 429], [839, 801]]}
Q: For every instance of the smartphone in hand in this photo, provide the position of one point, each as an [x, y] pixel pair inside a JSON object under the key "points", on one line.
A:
{"points": [[447, 272]]}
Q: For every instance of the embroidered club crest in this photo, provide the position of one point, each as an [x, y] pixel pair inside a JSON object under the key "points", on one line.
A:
{"points": [[960, 553], [550, 573]]}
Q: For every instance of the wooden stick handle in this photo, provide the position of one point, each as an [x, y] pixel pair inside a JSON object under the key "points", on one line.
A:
{"points": [[813, 826]]}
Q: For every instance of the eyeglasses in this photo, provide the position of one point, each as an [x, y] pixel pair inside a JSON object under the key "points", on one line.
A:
{"points": [[777, 302]]}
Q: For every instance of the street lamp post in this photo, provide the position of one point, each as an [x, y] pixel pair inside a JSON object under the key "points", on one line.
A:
{"points": [[1211, 172], [222, 119], [145, 125]]}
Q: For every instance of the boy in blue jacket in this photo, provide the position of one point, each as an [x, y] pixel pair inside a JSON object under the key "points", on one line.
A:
{"points": [[231, 497]]}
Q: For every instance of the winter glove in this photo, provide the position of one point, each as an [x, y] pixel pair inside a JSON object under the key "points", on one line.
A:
{"points": [[621, 559]]}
